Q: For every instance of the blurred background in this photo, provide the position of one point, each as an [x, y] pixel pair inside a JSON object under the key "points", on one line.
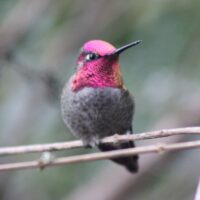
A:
{"points": [[39, 43]]}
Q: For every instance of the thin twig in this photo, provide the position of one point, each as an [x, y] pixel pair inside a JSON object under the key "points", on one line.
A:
{"points": [[159, 148], [112, 139], [197, 195]]}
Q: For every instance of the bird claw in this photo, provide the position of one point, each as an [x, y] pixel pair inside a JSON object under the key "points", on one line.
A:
{"points": [[91, 143], [87, 144], [97, 142]]}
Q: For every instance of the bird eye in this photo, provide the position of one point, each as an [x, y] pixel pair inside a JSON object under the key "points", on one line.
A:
{"points": [[91, 56]]}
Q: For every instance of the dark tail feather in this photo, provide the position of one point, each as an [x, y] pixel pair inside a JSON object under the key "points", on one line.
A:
{"points": [[131, 163]]}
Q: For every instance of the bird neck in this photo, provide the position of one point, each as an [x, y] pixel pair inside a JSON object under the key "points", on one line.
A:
{"points": [[97, 78]]}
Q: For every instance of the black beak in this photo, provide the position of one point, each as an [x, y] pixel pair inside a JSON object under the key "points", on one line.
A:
{"points": [[121, 49]]}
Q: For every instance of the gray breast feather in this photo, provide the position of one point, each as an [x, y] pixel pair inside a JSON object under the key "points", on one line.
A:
{"points": [[93, 113]]}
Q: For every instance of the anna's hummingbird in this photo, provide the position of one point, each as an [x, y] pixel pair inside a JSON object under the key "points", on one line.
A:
{"points": [[95, 102]]}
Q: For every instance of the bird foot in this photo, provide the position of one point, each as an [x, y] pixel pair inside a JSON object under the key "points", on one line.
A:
{"points": [[86, 144], [91, 143]]}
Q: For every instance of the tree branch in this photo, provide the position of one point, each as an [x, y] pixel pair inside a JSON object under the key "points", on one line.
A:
{"points": [[112, 139], [197, 195], [158, 148]]}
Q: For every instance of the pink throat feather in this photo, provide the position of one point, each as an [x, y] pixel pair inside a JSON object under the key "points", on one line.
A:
{"points": [[96, 77]]}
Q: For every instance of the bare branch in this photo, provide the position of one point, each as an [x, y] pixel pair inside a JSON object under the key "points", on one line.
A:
{"points": [[112, 139], [158, 148], [197, 195]]}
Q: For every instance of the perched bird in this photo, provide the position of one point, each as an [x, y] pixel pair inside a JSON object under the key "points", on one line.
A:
{"points": [[95, 103]]}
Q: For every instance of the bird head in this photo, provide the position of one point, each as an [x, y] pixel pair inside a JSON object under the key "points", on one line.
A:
{"points": [[98, 65]]}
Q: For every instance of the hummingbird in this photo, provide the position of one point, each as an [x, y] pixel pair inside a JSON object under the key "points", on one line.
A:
{"points": [[95, 103]]}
